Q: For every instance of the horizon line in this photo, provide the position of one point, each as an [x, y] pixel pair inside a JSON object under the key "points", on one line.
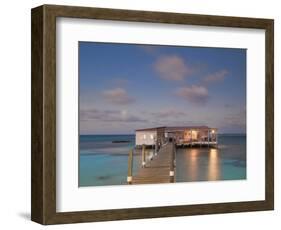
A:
{"points": [[134, 134]]}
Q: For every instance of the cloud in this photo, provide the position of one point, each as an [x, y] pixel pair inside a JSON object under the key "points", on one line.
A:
{"points": [[172, 68], [108, 116], [194, 94], [118, 96], [216, 77], [168, 114]]}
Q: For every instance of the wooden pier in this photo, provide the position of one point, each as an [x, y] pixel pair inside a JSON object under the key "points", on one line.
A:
{"points": [[158, 170]]}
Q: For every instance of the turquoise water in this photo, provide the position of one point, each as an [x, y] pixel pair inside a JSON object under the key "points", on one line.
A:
{"points": [[102, 162], [228, 162]]}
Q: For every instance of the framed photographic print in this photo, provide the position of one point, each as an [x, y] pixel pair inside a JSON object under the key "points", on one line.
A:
{"points": [[141, 114]]}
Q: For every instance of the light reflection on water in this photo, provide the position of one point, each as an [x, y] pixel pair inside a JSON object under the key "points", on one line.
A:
{"points": [[193, 164], [204, 164], [214, 165], [198, 164], [103, 163]]}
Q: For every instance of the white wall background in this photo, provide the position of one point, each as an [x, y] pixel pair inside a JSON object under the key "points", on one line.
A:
{"points": [[15, 113]]}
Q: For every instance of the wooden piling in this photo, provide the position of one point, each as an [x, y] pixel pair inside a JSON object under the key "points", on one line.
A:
{"points": [[217, 140], [172, 164], [130, 167], [209, 138], [143, 156]]}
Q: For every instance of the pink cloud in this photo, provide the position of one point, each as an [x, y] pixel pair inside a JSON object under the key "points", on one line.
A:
{"points": [[108, 116], [167, 113], [194, 94], [118, 96], [172, 68], [215, 77]]}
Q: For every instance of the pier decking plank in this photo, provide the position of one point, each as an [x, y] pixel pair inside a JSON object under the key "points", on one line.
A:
{"points": [[156, 170]]}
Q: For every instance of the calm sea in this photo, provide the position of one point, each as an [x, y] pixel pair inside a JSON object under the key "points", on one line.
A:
{"points": [[103, 162]]}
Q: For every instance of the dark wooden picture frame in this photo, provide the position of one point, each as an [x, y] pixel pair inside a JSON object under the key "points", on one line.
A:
{"points": [[43, 170]]}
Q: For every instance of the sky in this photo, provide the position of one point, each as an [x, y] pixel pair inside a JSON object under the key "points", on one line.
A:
{"points": [[124, 87]]}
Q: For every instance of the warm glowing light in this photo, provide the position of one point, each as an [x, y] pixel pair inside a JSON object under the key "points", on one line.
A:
{"points": [[194, 155], [192, 161], [214, 165], [213, 154], [194, 134], [213, 131], [144, 136], [151, 136]]}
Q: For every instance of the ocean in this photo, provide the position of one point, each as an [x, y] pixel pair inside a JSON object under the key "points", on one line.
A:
{"points": [[103, 160]]}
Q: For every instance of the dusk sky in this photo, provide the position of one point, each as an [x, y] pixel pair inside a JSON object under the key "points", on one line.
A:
{"points": [[124, 87]]}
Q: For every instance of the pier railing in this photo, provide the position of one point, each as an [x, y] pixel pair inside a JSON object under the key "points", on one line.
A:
{"points": [[130, 167], [159, 167]]}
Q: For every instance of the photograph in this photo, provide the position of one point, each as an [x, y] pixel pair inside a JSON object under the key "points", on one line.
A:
{"points": [[151, 114], [171, 113]]}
